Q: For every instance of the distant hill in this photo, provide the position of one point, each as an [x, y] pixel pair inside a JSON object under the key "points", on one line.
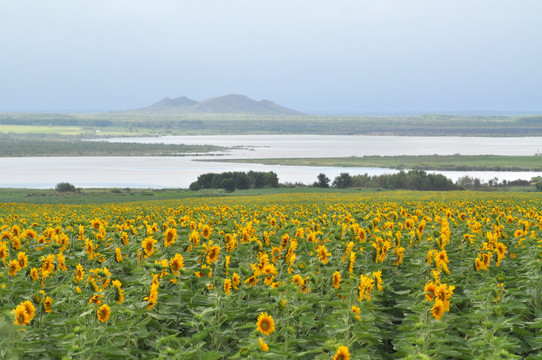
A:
{"points": [[227, 104]]}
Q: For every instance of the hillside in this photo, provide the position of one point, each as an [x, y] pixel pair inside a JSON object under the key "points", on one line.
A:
{"points": [[228, 104]]}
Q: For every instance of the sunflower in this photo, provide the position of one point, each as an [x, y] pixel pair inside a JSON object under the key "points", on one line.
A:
{"points": [[284, 241], [212, 255], [118, 255], [378, 276], [206, 231], [79, 273], [194, 237], [176, 263], [21, 315], [13, 267], [430, 291], [227, 286], [61, 262], [323, 253], [3, 251], [96, 299], [34, 274], [48, 263], [263, 345], [119, 293], [337, 279], [23, 259], [438, 309], [30, 309], [362, 235], [235, 281], [169, 237], [252, 281], [152, 299], [104, 312], [148, 246], [342, 353], [265, 324], [356, 311], [47, 304]]}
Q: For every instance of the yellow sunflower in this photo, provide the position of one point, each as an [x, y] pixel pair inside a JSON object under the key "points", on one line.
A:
{"points": [[47, 304], [342, 353], [13, 267], [430, 291], [438, 309], [206, 231], [235, 280], [34, 274], [119, 293], [323, 253], [265, 324], [104, 312], [148, 246], [169, 237], [227, 286], [337, 279], [23, 259], [176, 263], [263, 345], [21, 315], [212, 255], [30, 309], [118, 255]]}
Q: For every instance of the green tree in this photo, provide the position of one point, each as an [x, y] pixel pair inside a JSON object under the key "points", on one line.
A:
{"points": [[343, 181], [322, 182]]}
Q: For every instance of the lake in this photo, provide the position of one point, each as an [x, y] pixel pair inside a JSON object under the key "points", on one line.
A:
{"points": [[179, 172]]}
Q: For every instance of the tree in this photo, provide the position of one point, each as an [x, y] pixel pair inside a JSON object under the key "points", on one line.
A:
{"points": [[343, 181], [322, 182], [228, 184], [65, 187], [195, 186]]}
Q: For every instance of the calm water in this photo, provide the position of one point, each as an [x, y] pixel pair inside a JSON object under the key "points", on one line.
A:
{"points": [[160, 172], [282, 146]]}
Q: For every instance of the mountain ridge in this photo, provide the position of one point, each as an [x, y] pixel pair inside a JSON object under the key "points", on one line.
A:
{"points": [[226, 104]]}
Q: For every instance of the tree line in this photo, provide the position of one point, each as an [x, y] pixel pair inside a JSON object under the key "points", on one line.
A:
{"points": [[231, 181], [411, 180]]}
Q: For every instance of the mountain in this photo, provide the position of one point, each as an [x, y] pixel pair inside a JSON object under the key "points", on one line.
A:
{"points": [[167, 104], [227, 104]]}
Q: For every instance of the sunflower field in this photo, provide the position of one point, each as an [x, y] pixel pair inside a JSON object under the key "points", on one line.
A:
{"points": [[313, 276]]}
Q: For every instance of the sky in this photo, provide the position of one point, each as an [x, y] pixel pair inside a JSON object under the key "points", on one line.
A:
{"points": [[315, 56]]}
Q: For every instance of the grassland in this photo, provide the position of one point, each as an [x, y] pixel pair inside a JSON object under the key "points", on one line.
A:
{"points": [[418, 162], [15, 145], [206, 124], [122, 195]]}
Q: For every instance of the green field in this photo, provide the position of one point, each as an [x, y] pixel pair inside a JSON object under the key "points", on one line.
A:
{"points": [[40, 129], [133, 123], [421, 162]]}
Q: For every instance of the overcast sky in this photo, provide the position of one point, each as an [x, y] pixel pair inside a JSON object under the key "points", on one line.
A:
{"points": [[342, 56]]}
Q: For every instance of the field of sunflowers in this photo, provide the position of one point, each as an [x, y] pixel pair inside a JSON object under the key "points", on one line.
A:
{"points": [[312, 276]]}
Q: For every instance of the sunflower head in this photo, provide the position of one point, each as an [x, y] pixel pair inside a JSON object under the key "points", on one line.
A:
{"points": [[337, 279], [438, 309], [30, 309], [342, 353], [21, 315], [104, 312], [265, 324]]}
